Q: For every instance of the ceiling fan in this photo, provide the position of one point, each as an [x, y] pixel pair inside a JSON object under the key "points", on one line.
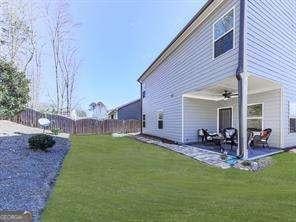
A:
{"points": [[227, 94]]}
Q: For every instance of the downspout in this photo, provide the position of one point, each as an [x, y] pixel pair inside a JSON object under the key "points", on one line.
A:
{"points": [[141, 96], [239, 73]]}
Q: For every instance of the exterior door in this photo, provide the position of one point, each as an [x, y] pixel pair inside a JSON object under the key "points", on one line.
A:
{"points": [[225, 118]]}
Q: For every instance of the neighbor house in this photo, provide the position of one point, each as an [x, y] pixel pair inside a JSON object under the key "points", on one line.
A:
{"points": [[232, 65], [131, 110], [99, 110]]}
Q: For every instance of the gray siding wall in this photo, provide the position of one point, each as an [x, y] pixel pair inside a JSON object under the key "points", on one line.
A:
{"points": [[198, 114], [190, 67], [203, 114], [271, 47], [130, 111]]}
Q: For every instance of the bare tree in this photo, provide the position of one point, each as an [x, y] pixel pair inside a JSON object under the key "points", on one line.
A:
{"points": [[69, 66], [18, 37], [60, 27], [35, 73]]}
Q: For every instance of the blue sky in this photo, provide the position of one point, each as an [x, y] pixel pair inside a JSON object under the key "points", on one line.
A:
{"points": [[118, 40]]}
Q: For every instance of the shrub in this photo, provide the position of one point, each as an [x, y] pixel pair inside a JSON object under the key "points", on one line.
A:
{"points": [[41, 142], [55, 131], [14, 90]]}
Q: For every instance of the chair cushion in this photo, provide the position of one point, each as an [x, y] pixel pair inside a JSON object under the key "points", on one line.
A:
{"points": [[209, 138], [229, 133], [200, 133], [263, 134]]}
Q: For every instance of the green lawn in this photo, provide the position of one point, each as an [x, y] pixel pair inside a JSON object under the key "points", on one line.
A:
{"points": [[119, 179]]}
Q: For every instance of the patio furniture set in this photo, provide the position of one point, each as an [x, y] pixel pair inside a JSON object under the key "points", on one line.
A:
{"points": [[229, 136]]}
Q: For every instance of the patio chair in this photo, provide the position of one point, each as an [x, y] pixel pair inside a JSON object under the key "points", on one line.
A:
{"points": [[230, 135], [261, 139], [200, 135], [208, 137]]}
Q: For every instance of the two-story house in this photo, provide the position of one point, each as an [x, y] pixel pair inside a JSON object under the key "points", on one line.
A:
{"points": [[233, 65]]}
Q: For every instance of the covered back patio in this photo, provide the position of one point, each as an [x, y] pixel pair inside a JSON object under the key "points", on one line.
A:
{"points": [[216, 107]]}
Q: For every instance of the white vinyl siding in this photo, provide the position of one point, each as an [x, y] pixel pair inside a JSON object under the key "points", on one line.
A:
{"points": [[198, 114], [190, 67], [270, 48]]}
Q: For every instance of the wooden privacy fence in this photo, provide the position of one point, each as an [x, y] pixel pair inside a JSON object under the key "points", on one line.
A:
{"points": [[30, 117]]}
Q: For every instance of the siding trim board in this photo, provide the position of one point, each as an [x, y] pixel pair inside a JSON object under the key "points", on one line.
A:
{"points": [[182, 112], [282, 119]]}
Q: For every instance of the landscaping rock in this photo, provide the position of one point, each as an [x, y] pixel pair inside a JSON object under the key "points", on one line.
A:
{"points": [[27, 176], [254, 165]]}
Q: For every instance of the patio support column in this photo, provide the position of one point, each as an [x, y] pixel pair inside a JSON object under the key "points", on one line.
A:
{"points": [[242, 79], [242, 150]]}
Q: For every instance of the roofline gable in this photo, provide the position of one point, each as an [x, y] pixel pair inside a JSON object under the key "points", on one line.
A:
{"points": [[199, 17]]}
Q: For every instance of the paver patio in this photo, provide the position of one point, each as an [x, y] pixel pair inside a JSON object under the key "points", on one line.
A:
{"points": [[205, 156]]}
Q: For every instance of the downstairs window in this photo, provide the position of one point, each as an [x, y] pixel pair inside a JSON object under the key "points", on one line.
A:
{"points": [[255, 117], [144, 121], [160, 120], [292, 117]]}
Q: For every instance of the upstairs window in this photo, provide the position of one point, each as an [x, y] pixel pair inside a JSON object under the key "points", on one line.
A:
{"points": [[224, 34], [143, 94], [160, 120]]}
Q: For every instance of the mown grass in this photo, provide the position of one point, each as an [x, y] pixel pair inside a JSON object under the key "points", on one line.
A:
{"points": [[120, 179]]}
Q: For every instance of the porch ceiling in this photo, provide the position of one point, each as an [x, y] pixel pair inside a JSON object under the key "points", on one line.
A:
{"points": [[214, 92]]}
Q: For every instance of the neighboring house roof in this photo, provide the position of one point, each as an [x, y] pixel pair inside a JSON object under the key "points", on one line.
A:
{"points": [[124, 105], [99, 110], [162, 55]]}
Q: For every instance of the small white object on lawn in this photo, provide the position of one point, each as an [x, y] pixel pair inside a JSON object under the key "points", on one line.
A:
{"points": [[118, 134], [44, 122]]}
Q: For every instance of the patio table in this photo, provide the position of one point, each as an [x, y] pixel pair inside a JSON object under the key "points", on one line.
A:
{"points": [[219, 140]]}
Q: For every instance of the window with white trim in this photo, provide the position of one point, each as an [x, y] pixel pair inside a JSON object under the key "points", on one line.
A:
{"points": [[224, 34], [292, 117], [255, 117], [160, 120]]}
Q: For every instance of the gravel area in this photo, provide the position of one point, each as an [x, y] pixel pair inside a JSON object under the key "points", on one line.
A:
{"points": [[26, 176], [8, 128]]}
